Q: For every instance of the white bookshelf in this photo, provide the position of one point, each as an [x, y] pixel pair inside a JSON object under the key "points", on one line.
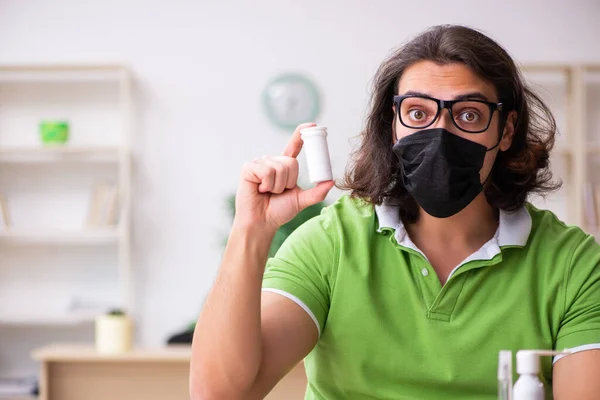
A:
{"points": [[573, 93], [50, 254]]}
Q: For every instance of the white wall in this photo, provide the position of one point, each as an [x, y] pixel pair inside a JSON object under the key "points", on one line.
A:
{"points": [[200, 68]]}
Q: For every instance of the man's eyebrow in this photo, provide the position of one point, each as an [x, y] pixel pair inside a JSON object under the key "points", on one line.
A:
{"points": [[472, 96], [465, 96], [413, 93]]}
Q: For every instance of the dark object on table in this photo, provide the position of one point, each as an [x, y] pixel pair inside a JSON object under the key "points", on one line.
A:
{"points": [[184, 337]]}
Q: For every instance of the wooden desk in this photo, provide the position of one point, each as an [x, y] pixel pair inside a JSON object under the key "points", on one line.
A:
{"points": [[70, 372]]}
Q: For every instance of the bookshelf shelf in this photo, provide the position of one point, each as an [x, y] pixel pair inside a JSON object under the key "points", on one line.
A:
{"points": [[61, 73], [21, 397], [46, 320], [563, 151], [594, 148], [60, 236], [61, 154]]}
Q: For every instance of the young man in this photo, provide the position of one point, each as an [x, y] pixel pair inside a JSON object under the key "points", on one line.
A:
{"points": [[408, 288]]}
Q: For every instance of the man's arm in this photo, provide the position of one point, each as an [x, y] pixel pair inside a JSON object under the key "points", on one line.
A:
{"points": [[577, 376], [244, 345], [289, 334], [245, 341]]}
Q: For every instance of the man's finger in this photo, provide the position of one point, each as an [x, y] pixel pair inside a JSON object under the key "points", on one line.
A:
{"points": [[281, 174], [292, 165], [295, 144]]}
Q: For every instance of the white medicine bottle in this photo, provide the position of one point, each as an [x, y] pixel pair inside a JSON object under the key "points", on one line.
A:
{"points": [[317, 153]]}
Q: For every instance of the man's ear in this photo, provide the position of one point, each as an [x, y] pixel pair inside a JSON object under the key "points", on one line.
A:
{"points": [[508, 132]]}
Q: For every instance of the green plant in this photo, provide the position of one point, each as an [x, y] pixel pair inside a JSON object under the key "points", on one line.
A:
{"points": [[285, 230], [282, 233]]}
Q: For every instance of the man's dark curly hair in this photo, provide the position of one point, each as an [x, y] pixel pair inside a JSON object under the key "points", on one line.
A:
{"points": [[373, 174]]}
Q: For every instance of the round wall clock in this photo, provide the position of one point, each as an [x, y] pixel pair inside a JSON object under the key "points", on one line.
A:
{"points": [[291, 99]]}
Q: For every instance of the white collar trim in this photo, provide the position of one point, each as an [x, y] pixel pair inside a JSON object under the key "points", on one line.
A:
{"points": [[513, 230]]}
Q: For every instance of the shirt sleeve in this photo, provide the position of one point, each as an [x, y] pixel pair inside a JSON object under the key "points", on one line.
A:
{"points": [[580, 325], [305, 266]]}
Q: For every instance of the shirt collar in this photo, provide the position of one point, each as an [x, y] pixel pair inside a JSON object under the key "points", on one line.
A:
{"points": [[514, 228]]}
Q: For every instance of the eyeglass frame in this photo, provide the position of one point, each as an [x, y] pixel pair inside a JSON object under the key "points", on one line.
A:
{"points": [[447, 104]]}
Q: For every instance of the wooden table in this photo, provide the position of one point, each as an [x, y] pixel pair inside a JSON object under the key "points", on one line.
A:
{"points": [[75, 372]]}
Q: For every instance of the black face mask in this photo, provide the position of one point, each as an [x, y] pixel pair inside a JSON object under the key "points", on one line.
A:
{"points": [[441, 170]]}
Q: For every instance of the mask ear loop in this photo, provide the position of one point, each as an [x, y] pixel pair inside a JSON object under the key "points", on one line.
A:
{"points": [[496, 145], [492, 148], [501, 136]]}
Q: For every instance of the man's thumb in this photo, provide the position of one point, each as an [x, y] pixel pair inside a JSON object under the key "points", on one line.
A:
{"points": [[307, 198]]}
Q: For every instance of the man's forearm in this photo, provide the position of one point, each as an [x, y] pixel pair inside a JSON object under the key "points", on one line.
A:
{"points": [[226, 352]]}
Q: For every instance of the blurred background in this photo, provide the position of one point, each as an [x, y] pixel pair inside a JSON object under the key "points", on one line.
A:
{"points": [[124, 125]]}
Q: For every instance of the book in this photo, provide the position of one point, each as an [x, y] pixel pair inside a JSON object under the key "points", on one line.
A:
{"points": [[597, 204], [16, 387], [103, 206], [589, 205], [4, 217], [109, 213], [98, 193]]}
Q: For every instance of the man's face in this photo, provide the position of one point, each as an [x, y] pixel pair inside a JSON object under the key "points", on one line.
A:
{"points": [[449, 82]]}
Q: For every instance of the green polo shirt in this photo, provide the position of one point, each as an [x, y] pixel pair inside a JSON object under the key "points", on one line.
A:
{"points": [[389, 330]]}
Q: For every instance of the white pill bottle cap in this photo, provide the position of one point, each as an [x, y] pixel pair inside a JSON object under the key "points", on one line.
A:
{"points": [[314, 131]]}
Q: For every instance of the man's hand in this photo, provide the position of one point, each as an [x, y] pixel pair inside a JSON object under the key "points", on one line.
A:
{"points": [[268, 195]]}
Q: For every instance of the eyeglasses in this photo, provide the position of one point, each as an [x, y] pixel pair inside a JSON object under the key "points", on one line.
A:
{"points": [[471, 116]]}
